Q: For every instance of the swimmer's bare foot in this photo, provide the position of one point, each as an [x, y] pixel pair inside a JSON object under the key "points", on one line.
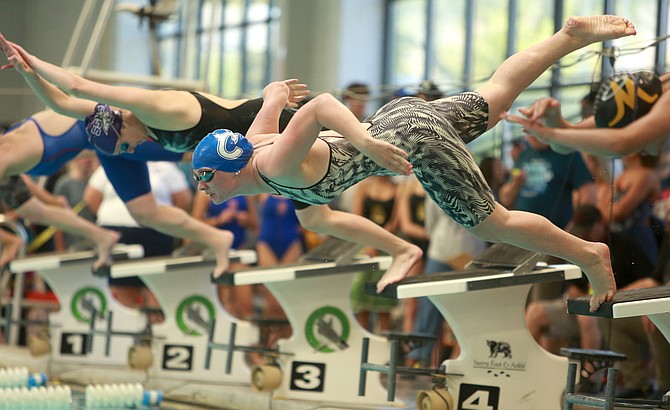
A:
{"points": [[593, 29], [221, 247], [11, 246], [104, 244], [599, 273], [400, 267]]}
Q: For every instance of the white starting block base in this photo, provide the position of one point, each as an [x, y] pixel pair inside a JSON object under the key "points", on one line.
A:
{"points": [[500, 365], [319, 361], [79, 293], [190, 302], [229, 397], [225, 397], [83, 375], [19, 356]]}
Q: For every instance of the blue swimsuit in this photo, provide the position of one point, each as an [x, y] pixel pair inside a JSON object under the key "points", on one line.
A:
{"points": [[58, 149], [280, 227]]}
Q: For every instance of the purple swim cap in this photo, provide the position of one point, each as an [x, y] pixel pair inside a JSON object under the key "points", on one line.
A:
{"points": [[103, 128], [222, 150]]}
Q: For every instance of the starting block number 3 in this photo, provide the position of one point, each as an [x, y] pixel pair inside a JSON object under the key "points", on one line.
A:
{"points": [[308, 376], [476, 397]]}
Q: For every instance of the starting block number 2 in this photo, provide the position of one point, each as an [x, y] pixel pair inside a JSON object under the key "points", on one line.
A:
{"points": [[178, 357], [476, 397]]}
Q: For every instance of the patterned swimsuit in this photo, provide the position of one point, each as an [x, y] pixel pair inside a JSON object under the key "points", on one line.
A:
{"points": [[434, 135]]}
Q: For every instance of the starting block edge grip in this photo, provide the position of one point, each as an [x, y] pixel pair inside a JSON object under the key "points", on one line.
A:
{"points": [[627, 303]]}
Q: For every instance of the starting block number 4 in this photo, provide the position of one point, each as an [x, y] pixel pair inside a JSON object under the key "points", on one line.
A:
{"points": [[476, 397]]}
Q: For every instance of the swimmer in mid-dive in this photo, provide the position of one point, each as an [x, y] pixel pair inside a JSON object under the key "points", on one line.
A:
{"points": [[170, 122], [313, 167]]}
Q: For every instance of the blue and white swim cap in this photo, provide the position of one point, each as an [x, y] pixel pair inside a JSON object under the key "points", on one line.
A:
{"points": [[103, 128], [222, 150]]}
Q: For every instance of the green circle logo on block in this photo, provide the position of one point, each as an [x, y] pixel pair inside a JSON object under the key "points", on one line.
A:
{"points": [[87, 300], [327, 329], [194, 314]]}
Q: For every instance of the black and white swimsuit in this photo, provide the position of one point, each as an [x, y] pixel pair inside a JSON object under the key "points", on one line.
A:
{"points": [[434, 134]]}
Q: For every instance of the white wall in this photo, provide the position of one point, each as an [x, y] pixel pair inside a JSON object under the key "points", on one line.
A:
{"points": [[330, 43]]}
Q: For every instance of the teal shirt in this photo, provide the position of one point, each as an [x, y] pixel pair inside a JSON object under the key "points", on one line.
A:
{"points": [[550, 180]]}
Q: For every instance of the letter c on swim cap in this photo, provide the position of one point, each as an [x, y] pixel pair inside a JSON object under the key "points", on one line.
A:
{"points": [[227, 145]]}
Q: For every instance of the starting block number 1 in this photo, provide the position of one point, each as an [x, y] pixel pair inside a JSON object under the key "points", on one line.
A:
{"points": [[73, 344], [476, 397]]}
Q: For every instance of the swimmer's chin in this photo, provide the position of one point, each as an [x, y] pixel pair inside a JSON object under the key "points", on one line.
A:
{"points": [[216, 199]]}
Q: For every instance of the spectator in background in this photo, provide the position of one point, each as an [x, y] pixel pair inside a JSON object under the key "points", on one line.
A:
{"points": [[375, 200], [429, 91], [356, 97], [545, 182], [169, 187], [547, 320], [239, 216], [450, 247], [411, 208], [71, 186]]}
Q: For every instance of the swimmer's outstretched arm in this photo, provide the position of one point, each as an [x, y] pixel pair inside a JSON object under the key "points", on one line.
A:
{"points": [[276, 96], [325, 111], [51, 95], [155, 108], [647, 131]]}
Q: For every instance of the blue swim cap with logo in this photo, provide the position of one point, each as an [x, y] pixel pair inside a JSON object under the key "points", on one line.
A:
{"points": [[222, 150], [103, 128]]}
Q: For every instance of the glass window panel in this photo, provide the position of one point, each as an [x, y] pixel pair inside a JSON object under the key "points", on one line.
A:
{"points": [[540, 13], [220, 52], [449, 44], [490, 42], [258, 10], [234, 12], [257, 36], [643, 13], [407, 42]]}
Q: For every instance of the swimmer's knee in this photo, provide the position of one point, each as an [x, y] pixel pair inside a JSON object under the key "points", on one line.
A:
{"points": [[146, 216]]}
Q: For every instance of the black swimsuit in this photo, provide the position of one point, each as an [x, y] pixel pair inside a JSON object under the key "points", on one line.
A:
{"points": [[214, 117]]}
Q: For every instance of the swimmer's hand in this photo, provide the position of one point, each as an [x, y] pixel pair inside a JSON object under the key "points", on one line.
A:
{"points": [[14, 57], [387, 156], [290, 91], [297, 92]]}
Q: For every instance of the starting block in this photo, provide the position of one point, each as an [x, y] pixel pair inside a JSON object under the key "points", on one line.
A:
{"points": [[83, 334], [500, 365], [178, 352], [315, 364], [651, 302]]}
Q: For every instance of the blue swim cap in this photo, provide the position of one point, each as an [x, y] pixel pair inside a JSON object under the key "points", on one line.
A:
{"points": [[222, 150], [103, 128]]}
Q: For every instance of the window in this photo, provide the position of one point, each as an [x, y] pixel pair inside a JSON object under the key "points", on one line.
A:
{"points": [[459, 43], [228, 43]]}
